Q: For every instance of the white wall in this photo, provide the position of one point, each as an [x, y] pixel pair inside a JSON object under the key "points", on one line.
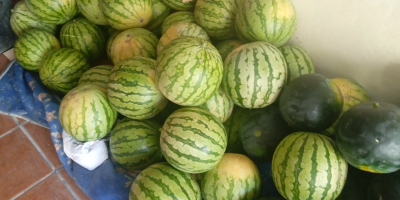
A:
{"points": [[356, 39]]}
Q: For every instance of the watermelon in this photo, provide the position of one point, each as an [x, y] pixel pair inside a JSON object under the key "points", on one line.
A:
{"points": [[180, 4], [235, 177], [160, 12], [22, 19], [272, 21], [220, 105], [131, 43], [225, 47], [189, 71], [135, 144], [162, 181], [193, 140], [53, 11], [368, 136], [254, 74], [62, 68], [84, 36], [86, 114], [297, 60], [92, 10], [179, 16], [126, 14], [310, 102], [31, 47], [110, 40], [232, 126], [178, 30], [217, 18], [132, 90], [308, 165], [96, 75]]}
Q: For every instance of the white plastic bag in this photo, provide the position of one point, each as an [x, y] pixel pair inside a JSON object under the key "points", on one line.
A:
{"points": [[88, 154]]}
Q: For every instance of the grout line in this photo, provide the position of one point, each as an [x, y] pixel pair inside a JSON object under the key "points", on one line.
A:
{"points": [[18, 122], [66, 184], [37, 147], [32, 186], [10, 131]]}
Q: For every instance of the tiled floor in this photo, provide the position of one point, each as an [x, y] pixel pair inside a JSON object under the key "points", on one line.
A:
{"points": [[29, 166]]}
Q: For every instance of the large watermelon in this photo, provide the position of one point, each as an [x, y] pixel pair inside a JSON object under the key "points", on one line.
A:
{"points": [[135, 144], [32, 46], [308, 166], [62, 68], [272, 21], [254, 74], [22, 19], [131, 43], [189, 71], [298, 61], [193, 140], [126, 14], [53, 11], [225, 47], [179, 16], [217, 18], [235, 177], [132, 90], [92, 10], [178, 30], [96, 75], [86, 114], [84, 36], [162, 181]]}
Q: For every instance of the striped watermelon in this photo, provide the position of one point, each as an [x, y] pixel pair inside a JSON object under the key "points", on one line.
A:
{"points": [[217, 18], [160, 12], [181, 5], [189, 71], [86, 114], [232, 126], [179, 16], [53, 11], [31, 47], [62, 68], [272, 21], [220, 105], [84, 36], [162, 181], [225, 47], [235, 177], [126, 14], [308, 166], [353, 94], [178, 30], [92, 10], [193, 140], [131, 43], [297, 60], [96, 75], [110, 41], [132, 90], [22, 19], [254, 74], [135, 144]]}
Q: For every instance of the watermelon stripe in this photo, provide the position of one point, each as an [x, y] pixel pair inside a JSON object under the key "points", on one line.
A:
{"points": [[149, 193], [48, 12], [179, 16], [92, 11], [174, 179], [180, 5]]}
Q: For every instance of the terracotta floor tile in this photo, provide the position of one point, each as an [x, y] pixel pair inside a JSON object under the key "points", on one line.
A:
{"points": [[72, 184], [6, 124], [21, 165], [3, 62], [42, 138], [50, 188]]}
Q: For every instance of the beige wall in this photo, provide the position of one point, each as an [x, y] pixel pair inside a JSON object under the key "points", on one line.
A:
{"points": [[356, 39]]}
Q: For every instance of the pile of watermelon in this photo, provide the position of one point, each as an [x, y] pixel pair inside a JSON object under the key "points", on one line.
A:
{"points": [[194, 93]]}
